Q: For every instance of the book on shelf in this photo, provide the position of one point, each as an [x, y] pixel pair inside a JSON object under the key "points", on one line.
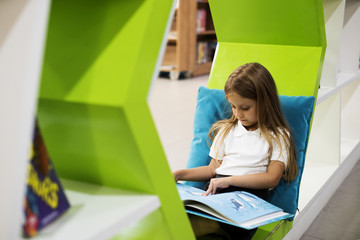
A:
{"points": [[201, 20], [239, 208], [200, 52], [45, 199], [205, 51], [172, 35]]}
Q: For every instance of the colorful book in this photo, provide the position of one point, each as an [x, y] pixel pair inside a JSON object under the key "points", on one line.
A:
{"points": [[45, 198], [205, 51], [201, 58], [239, 208], [200, 20]]}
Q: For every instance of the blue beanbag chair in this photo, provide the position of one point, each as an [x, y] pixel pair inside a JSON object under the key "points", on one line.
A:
{"points": [[212, 106]]}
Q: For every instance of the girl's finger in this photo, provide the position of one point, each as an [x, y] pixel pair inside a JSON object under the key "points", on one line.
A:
{"points": [[209, 190], [206, 193], [213, 187], [214, 191]]}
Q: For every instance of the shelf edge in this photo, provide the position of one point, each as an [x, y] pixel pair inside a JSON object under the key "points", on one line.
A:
{"points": [[344, 79], [90, 200]]}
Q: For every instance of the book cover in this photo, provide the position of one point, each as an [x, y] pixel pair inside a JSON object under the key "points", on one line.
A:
{"points": [[239, 208], [45, 199], [200, 20], [200, 52]]}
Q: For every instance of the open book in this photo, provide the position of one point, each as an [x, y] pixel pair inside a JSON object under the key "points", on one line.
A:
{"points": [[241, 209]]}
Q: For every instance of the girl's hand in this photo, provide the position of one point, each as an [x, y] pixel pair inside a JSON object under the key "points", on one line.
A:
{"points": [[177, 174], [216, 183]]}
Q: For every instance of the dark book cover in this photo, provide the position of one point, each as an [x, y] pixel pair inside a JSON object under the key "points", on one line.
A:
{"points": [[45, 199]]}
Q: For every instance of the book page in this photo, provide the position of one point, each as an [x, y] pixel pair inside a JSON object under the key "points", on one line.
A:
{"points": [[236, 207]]}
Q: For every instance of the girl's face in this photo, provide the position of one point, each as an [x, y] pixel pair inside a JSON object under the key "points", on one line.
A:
{"points": [[244, 109]]}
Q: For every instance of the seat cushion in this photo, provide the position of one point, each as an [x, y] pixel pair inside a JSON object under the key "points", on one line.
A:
{"points": [[212, 106]]}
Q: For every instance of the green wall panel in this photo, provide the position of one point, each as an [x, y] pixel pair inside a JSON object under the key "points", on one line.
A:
{"points": [[296, 22], [294, 68], [93, 59], [151, 227], [94, 143], [273, 231], [98, 65], [287, 37], [145, 135]]}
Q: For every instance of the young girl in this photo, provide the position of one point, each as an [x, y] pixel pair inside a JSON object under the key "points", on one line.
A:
{"points": [[251, 151]]}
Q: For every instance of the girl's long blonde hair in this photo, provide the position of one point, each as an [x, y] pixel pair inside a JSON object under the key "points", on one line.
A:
{"points": [[253, 81]]}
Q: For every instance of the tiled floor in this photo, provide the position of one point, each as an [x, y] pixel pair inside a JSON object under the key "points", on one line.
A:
{"points": [[173, 104]]}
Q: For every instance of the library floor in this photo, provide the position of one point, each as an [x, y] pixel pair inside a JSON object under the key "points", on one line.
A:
{"points": [[172, 104]]}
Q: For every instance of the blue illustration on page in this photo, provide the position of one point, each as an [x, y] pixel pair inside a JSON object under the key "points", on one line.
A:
{"points": [[237, 208]]}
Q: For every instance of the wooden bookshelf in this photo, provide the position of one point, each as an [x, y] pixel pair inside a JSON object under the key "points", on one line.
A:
{"points": [[191, 40]]}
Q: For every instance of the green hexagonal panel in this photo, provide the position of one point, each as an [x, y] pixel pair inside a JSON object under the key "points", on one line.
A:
{"points": [[294, 68], [99, 61], [283, 22], [288, 37]]}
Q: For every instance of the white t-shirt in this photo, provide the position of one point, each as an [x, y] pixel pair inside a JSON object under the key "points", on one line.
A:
{"points": [[244, 152]]}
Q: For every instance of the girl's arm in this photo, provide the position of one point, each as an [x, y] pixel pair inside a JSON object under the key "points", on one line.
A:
{"points": [[269, 179], [203, 173]]}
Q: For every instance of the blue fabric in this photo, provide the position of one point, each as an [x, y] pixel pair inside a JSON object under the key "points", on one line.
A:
{"points": [[212, 106]]}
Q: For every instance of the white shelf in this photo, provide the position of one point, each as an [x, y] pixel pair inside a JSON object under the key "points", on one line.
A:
{"points": [[314, 177], [98, 212], [343, 80], [303, 221]]}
